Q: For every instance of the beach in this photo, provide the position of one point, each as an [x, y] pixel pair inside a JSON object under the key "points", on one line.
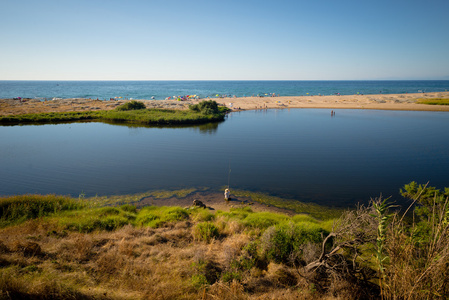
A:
{"points": [[379, 101]]}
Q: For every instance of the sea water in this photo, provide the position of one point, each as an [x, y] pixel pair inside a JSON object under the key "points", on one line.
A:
{"points": [[163, 89]]}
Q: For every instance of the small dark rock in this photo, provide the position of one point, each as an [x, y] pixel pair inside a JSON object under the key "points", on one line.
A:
{"points": [[198, 203]]}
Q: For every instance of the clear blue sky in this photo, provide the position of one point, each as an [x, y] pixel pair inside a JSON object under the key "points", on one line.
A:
{"points": [[223, 40]]}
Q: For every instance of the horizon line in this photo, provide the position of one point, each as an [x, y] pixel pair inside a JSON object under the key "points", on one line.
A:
{"points": [[224, 79]]}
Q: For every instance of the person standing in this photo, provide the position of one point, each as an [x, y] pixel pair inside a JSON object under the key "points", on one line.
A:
{"points": [[227, 194]]}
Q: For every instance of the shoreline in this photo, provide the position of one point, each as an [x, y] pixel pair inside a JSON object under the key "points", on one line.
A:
{"points": [[10, 107]]}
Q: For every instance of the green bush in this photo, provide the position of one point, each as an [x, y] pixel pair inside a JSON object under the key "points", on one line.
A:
{"points": [[201, 214], [129, 208], [205, 231], [206, 107], [299, 218], [280, 241], [132, 105], [198, 281]]}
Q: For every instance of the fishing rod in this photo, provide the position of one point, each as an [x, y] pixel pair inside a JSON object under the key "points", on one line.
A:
{"points": [[229, 174]]}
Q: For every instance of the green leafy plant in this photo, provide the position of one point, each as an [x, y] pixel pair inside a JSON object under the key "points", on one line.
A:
{"points": [[132, 105], [381, 208], [281, 241], [206, 107]]}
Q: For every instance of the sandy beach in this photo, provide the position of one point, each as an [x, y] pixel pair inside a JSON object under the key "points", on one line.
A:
{"points": [[380, 101]]}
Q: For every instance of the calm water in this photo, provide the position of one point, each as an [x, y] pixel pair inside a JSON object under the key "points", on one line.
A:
{"points": [[163, 89], [303, 154]]}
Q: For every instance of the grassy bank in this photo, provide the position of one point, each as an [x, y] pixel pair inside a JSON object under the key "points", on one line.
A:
{"points": [[159, 252], [127, 114], [54, 247]]}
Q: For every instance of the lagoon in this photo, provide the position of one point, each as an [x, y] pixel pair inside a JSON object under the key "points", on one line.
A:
{"points": [[303, 154]]}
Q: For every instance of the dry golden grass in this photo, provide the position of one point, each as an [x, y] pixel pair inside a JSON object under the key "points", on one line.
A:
{"points": [[40, 260], [192, 254]]}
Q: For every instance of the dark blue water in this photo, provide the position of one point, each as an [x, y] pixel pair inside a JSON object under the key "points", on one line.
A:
{"points": [[164, 89], [304, 154]]}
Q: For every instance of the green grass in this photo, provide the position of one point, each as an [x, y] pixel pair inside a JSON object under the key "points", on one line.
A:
{"points": [[18, 209], [96, 219], [436, 101], [154, 217], [263, 220], [87, 215], [91, 214], [134, 116], [316, 211]]}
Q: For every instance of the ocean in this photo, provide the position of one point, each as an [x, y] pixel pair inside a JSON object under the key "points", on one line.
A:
{"points": [[162, 89]]}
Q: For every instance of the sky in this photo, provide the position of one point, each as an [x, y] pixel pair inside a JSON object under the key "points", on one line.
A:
{"points": [[224, 40]]}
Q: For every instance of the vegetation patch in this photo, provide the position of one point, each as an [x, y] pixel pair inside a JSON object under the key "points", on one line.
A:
{"points": [[314, 210], [133, 112], [17, 209], [97, 219], [434, 101], [161, 194], [64, 249], [155, 217], [132, 105], [205, 231]]}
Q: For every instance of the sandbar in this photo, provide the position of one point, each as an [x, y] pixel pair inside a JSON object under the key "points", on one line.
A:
{"points": [[379, 101]]}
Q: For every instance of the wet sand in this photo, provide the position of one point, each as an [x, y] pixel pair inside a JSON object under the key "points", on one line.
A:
{"points": [[381, 101]]}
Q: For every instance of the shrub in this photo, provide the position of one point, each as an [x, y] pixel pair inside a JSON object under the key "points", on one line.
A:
{"points": [[206, 107], [129, 208], [299, 218], [201, 214], [281, 241], [132, 105], [205, 231]]}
